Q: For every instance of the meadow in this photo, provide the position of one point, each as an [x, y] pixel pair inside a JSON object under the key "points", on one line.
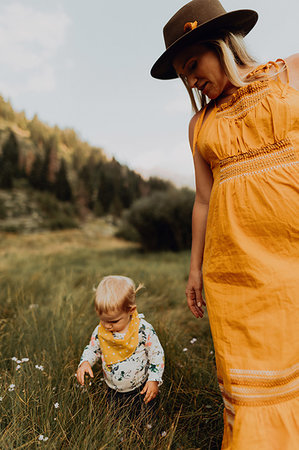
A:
{"points": [[47, 286]]}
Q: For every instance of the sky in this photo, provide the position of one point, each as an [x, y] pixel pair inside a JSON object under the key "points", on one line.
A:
{"points": [[85, 65]]}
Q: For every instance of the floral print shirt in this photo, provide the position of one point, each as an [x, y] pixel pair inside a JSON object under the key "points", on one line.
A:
{"points": [[145, 364]]}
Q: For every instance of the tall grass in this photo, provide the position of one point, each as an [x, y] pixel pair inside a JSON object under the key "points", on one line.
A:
{"points": [[47, 315]]}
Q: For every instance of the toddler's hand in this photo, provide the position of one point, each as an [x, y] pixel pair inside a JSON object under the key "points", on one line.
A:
{"points": [[150, 390], [82, 370]]}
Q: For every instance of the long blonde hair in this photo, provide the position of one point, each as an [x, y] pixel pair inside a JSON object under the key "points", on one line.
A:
{"points": [[233, 55]]}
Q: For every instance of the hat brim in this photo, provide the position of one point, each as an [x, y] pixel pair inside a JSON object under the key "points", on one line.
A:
{"points": [[237, 22]]}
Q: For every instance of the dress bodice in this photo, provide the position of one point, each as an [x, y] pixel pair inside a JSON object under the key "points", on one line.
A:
{"points": [[257, 127]]}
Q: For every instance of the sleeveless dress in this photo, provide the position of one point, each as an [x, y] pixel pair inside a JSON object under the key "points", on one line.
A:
{"points": [[251, 261]]}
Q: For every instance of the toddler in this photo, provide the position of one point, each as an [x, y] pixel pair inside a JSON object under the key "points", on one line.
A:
{"points": [[131, 353]]}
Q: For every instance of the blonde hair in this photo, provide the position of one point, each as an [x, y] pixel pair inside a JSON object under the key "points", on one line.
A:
{"points": [[232, 54], [116, 293]]}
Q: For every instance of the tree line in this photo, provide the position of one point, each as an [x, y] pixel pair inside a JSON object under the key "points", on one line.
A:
{"points": [[54, 161]]}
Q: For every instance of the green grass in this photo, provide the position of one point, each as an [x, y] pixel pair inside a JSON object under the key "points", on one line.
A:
{"points": [[47, 315]]}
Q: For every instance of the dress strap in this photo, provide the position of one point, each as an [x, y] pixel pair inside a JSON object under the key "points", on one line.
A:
{"points": [[198, 126], [264, 68], [286, 68]]}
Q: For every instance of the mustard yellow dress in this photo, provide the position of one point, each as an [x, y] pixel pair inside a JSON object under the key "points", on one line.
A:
{"points": [[251, 261]]}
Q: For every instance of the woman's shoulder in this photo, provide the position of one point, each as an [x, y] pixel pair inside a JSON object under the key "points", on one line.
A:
{"points": [[199, 117], [292, 63], [293, 60], [285, 69], [195, 118], [193, 122]]}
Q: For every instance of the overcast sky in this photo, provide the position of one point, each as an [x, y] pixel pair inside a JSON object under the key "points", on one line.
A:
{"points": [[85, 65]]}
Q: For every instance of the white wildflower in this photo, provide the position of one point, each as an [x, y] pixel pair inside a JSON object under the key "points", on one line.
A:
{"points": [[33, 306], [193, 340], [56, 405], [18, 367], [41, 437], [211, 352], [1, 398], [25, 359], [39, 367], [11, 387], [185, 349], [208, 406], [163, 434], [14, 358], [148, 426]]}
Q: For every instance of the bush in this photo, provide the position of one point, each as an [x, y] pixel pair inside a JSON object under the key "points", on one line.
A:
{"points": [[3, 212], [128, 232], [163, 220], [61, 222], [57, 215]]}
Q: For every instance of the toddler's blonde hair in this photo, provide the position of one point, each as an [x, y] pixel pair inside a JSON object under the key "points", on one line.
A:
{"points": [[116, 293]]}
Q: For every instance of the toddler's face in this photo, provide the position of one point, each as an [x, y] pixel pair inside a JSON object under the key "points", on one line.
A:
{"points": [[116, 321]]}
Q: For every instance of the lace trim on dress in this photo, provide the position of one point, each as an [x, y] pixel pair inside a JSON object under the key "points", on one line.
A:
{"points": [[261, 387], [247, 97], [244, 100], [279, 154]]}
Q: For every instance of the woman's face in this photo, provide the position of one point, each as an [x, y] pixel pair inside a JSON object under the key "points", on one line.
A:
{"points": [[200, 66]]}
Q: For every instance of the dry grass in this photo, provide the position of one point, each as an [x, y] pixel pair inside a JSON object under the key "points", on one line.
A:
{"points": [[96, 234]]}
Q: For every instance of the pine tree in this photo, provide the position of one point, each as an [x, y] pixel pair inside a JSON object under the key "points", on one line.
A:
{"points": [[35, 176], [9, 163], [6, 174], [62, 187]]}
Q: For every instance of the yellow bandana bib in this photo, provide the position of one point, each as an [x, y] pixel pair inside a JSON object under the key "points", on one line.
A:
{"points": [[116, 350]]}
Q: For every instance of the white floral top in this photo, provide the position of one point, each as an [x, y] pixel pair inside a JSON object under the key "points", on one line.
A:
{"points": [[145, 364]]}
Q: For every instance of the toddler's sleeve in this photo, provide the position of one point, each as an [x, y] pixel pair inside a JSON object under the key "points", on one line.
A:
{"points": [[92, 351], [155, 355]]}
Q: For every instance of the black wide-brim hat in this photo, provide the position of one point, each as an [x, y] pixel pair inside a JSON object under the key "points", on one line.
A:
{"points": [[199, 20]]}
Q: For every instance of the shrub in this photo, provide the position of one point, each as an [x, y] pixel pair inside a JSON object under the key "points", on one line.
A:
{"points": [[128, 232], [57, 215], [3, 211], [61, 222], [163, 220]]}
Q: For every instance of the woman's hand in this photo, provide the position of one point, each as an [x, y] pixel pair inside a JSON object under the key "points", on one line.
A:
{"points": [[194, 294], [150, 390], [84, 368]]}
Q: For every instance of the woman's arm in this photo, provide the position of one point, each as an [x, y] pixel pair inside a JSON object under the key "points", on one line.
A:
{"points": [[204, 183]]}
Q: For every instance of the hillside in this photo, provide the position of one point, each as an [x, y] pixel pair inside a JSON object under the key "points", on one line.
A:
{"points": [[36, 159]]}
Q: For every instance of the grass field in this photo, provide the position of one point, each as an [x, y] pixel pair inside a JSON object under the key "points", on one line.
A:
{"points": [[47, 316]]}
